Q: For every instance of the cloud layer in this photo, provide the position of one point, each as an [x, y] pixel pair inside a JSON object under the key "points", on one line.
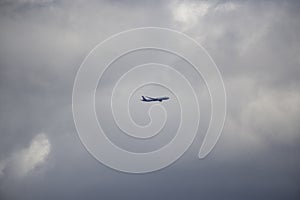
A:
{"points": [[256, 46]]}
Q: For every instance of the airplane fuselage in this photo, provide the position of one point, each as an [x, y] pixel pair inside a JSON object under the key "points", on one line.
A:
{"points": [[151, 99]]}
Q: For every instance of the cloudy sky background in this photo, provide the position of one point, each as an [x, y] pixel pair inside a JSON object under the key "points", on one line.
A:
{"points": [[256, 46]]}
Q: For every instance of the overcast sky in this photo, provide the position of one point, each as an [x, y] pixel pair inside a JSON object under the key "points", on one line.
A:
{"points": [[256, 46]]}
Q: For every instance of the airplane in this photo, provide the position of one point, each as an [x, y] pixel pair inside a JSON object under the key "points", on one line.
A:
{"points": [[150, 99]]}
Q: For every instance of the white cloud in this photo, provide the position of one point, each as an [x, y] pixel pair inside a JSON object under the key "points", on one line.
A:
{"points": [[273, 115], [227, 6], [188, 13], [27, 159]]}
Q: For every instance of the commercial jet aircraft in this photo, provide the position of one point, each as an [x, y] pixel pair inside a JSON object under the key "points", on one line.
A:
{"points": [[150, 99]]}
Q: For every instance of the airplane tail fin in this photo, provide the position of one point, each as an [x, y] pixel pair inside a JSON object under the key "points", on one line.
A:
{"points": [[143, 98]]}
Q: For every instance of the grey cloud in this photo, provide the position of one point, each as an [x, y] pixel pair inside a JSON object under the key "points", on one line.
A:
{"points": [[255, 45]]}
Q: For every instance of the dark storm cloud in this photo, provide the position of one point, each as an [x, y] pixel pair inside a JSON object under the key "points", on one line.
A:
{"points": [[255, 45]]}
